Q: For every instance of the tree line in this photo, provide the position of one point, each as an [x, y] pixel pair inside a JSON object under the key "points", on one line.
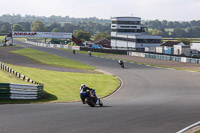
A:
{"points": [[174, 29], [94, 26]]}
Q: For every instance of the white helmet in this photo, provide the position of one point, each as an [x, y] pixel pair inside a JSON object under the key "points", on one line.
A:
{"points": [[83, 86]]}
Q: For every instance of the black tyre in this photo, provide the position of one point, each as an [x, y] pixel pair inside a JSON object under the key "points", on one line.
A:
{"points": [[100, 103], [90, 102]]}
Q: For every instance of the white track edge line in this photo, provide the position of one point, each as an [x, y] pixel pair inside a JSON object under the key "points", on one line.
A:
{"points": [[187, 128]]}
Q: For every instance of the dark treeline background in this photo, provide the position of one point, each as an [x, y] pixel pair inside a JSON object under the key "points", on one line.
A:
{"points": [[175, 29]]}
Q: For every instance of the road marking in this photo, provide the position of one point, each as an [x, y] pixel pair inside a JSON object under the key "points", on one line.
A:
{"points": [[119, 87], [189, 127]]}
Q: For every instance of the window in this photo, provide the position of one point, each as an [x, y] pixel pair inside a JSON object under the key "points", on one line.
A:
{"points": [[148, 40], [127, 22], [137, 40], [124, 39], [127, 30], [125, 26]]}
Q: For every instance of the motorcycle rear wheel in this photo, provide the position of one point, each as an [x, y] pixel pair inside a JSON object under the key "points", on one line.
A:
{"points": [[100, 103]]}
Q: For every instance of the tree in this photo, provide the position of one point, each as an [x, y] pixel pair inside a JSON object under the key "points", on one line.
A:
{"points": [[170, 25], [37, 26], [194, 32], [185, 41], [156, 24], [5, 28], [82, 35], [25, 26], [156, 32], [178, 32], [54, 26], [102, 35], [56, 30], [69, 28], [164, 23], [17, 27]]}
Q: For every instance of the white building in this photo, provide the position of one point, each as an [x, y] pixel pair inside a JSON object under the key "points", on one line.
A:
{"points": [[128, 33], [195, 46]]}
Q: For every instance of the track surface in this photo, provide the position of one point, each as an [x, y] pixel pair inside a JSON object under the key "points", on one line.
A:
{"points": [[152, 100]]}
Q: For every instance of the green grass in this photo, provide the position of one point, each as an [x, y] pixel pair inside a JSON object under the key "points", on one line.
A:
{"points": [[6, 77], [2, 37], [177, 39], [86, 52], [21, 39], [197, 131], [52, 59], [62, 86]]}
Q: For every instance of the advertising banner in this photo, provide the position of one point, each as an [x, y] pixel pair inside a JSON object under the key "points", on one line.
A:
{"points": [[21, 34], [76, 47]]}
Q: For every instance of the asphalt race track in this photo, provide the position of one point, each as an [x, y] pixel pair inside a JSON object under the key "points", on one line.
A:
{"points": [[151, 100]]}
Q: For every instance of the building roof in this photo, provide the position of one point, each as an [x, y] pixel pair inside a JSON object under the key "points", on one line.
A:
{"points": [[170, 43], [99, 40], [125, 17]]}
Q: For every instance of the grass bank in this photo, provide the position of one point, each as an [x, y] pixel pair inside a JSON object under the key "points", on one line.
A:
{"points": [[53, 60], [177, 39], [62, 86], [6, 77]]}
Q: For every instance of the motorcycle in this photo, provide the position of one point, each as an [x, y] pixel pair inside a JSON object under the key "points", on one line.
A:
{"points": [[121, 64], [91, 100]]}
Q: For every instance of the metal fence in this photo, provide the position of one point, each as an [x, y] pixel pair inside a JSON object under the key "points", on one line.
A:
{"points": [[19, 91], [165, 57]]}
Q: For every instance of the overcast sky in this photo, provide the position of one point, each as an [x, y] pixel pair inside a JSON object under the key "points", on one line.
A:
{"points": [[181, 10]]}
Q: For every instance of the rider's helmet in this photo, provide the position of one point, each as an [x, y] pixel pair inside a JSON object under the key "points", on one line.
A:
{"points": [[119, 61], [83, 86]]}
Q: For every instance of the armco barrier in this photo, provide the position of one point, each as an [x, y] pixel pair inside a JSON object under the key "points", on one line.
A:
{"points": [[52, 45], [166, 57], [20, 91], [112, 51]]}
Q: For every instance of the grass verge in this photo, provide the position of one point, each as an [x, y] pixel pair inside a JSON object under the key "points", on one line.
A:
{"points": [[6, 77], [21, 39], [53, 60], [62, 86]]}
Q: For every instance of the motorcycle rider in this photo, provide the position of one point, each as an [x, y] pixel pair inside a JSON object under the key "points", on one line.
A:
{"points": [[73, 51], [89, 53], [84, 93], [121, 62]]}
